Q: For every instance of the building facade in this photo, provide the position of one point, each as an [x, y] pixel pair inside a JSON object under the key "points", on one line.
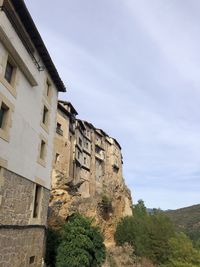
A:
{"points": [[83, 154], [29, 85]]}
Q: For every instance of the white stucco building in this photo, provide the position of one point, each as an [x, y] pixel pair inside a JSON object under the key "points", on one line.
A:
{"points": [[29, 86]]}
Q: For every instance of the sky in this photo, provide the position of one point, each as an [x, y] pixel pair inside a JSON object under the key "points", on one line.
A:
{"points": [[132, 68]]}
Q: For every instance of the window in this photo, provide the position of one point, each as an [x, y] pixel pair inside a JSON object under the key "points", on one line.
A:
{"points": [[45, 116], [86, 145], [97, 149], [9, 72], [58, 126], [3, 115], [84, 160], [48, 88], [42, 150], [80, 141], [6, 109], [37, 198], [78, 155], [59, 129], [57, 157], [32, 259]]}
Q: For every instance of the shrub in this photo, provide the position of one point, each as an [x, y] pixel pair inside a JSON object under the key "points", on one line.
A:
{"points": [[81, 245]]}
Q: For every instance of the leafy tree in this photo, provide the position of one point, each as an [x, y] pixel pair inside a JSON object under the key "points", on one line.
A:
{"points": [[140, 209], [81, 245], [147, 233], [182, 252], [160, 230]]}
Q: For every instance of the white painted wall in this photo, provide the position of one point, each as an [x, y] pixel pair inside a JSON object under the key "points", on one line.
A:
{"points": [[21, 152]]}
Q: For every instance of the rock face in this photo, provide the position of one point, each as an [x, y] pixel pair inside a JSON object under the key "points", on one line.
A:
{"points": [[87, 174]]}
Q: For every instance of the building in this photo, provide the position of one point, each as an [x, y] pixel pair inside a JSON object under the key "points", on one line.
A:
{"points": [[83, 154], [87, 168], [29, 85]]}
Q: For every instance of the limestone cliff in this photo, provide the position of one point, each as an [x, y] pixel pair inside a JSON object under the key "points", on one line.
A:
{"points": [[87, 175]]}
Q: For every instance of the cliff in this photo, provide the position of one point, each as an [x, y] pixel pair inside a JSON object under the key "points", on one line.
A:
{"points": [[87, 174]]}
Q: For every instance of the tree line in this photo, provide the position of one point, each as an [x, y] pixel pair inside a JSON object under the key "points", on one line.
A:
{"points": [[153, 236]]}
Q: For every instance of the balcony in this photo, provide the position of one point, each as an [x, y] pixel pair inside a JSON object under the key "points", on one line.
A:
{"points": [[59, 131], [100, 155]]}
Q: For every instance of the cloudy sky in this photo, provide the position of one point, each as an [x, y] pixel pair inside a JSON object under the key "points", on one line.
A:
{"points": [[132, 68]]}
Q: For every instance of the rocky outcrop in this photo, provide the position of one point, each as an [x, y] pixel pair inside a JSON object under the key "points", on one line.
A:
{"points": [[87, 175], [106, 209]]}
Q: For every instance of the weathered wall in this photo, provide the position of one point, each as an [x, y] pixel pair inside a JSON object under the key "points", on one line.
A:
{"points": [[21, 235], [17, 246], [17, 197]]}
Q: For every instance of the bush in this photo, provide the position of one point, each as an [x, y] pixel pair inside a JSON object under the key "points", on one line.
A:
{"points": [[81, 245]]}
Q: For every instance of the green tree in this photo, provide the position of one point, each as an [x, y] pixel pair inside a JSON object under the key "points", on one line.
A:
{"points": [[182, 252], [81, 245], [147, 233], [160, 230]]}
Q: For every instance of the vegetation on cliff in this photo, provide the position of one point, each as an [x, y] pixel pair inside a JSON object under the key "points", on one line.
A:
{"points": [[152, 235], [77, 244]]}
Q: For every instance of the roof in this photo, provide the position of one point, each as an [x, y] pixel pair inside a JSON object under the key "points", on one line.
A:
{"points": [[29, 25], [88, 124], [61, 107], [117, 143], [70, 105], [81, 124]]}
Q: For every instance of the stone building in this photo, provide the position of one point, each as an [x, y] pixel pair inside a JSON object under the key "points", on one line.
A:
{"points": [[29, 85], [87, 171]]}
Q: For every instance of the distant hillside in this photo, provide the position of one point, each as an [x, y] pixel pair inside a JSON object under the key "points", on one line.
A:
{"points": [[186, 219]]}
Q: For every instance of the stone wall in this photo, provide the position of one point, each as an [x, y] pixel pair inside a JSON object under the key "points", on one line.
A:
{"points": [[18, 247], [17, 197], [21, 235]]}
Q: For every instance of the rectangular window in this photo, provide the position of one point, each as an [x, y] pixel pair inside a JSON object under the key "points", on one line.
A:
{"points": [[3, 115], [9, 72], [37, 198], [31, 259], [59, 129], [45, 115], [42, 150], [80, 141], [48, 88], [84, 160]]}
